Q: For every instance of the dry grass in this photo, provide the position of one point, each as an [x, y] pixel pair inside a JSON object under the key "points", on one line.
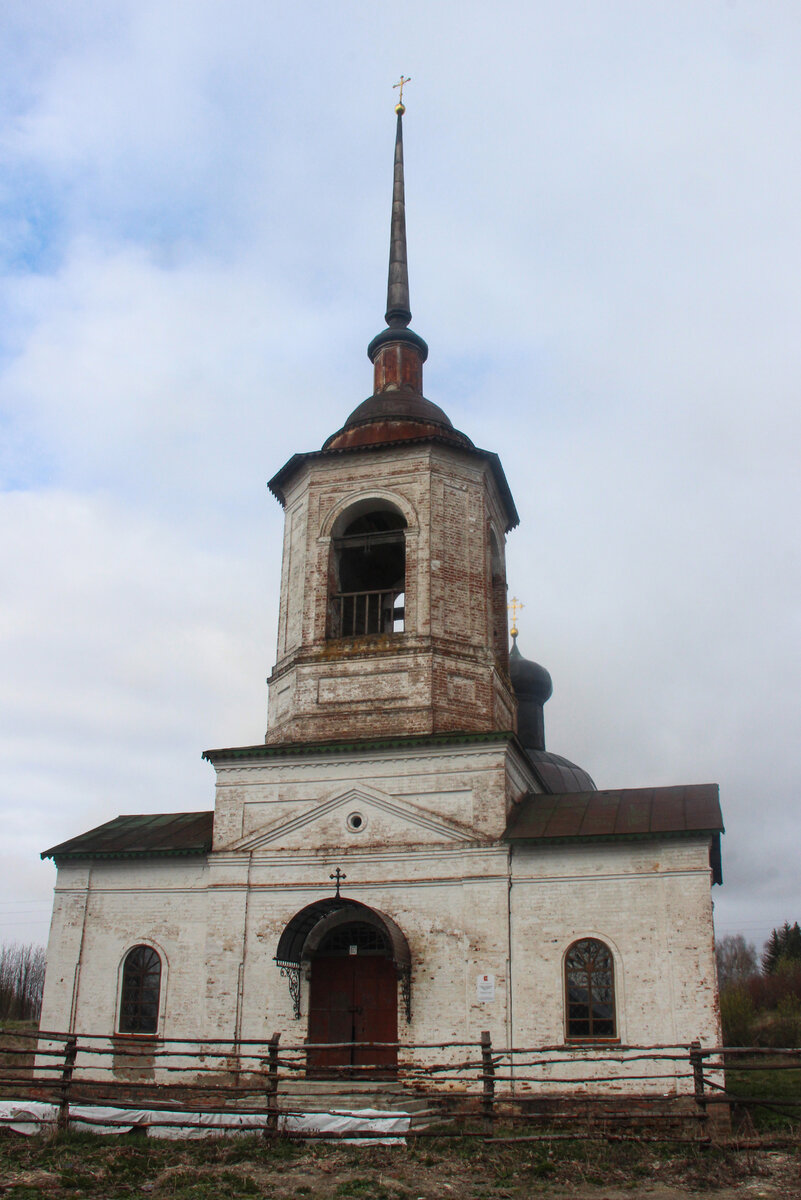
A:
{"points": [[84, 1167], [16, 1056]]}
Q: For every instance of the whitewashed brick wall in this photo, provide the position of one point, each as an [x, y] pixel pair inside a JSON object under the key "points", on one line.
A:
{"points": [[428, 858]]}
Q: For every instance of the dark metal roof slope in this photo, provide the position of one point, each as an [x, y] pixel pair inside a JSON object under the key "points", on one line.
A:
{"points": [[146, 835], [615, 816], [630, 812]]}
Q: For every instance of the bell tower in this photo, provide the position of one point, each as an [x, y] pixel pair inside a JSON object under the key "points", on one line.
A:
{"points": [[392, 618]]}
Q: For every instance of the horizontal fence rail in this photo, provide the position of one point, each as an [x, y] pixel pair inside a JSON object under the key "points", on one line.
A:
{"points": [[682, 1093]]}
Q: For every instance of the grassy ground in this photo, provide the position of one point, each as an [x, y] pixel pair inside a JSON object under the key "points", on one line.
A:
{"points": [[15, 1067], [85, 1167], [767, 1084]]}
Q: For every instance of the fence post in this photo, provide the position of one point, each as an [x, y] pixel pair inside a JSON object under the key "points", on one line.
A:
{"points": [[271, 1128], [697, 1063], [70, 1054], [488, 1082]]}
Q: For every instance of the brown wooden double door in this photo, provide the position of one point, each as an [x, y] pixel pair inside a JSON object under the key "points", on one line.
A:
{"points": [[353, 999]]}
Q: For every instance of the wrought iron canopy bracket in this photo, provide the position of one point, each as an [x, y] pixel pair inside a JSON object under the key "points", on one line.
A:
{"points": [[291, 972]]}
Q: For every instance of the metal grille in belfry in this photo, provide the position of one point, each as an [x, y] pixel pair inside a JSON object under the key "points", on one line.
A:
{"points": [[360, 613]]}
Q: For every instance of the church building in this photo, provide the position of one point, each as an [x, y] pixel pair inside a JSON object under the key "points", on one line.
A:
{"points": [[401, 860]]}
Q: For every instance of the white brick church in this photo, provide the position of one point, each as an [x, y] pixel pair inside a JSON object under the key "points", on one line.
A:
{"points": [[402, 860]]}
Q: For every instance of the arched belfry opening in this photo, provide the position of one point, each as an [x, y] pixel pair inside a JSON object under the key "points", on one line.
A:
{"points": [[367, 578], [358, 965]]}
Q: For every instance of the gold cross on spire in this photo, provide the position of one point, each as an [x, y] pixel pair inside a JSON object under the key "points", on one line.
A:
{"points": [[514, 608], [400, 107]]}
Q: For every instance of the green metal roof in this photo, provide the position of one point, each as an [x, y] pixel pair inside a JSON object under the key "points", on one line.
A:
{"points": [[289, 749], [143, 835]]}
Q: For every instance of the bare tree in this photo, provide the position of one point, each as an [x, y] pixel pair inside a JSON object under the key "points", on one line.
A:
{"points": [[22, 970], [736, 959]]}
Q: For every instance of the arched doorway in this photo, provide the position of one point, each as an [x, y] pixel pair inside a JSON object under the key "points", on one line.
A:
{"points": [[358, 961], [353, 1000]]}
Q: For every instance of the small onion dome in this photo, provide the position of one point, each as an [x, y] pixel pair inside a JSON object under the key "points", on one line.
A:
{"points": [[533, 686], [529, 680]]}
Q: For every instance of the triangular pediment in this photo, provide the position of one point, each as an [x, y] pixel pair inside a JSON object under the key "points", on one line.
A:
{"points": [[333, 822]]}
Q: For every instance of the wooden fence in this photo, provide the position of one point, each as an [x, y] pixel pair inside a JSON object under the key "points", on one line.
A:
{"points": [[659, 1093]]}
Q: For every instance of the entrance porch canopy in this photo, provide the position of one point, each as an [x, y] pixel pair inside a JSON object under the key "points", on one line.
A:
{"points": [[304, 933]]}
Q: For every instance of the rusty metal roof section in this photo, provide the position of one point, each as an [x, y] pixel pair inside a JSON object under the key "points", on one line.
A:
{"points": [[395, 415], [145, 835], [614, 815]]}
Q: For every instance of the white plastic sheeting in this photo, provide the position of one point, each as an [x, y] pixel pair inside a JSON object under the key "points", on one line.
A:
{"points": [[34, 1116]]}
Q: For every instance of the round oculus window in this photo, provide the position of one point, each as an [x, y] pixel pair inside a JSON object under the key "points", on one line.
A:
{"points": [[356, 822]]}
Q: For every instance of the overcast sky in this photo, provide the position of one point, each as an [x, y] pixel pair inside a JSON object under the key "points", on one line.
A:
{"points": [[604, 228]]}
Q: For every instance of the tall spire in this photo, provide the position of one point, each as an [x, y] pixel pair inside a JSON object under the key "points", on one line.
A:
{"points": [[398, 353], [398, 314], [397, 410]]}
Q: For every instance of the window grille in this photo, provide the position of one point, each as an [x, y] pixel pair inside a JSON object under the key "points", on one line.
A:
{"points": [[367, 939]]}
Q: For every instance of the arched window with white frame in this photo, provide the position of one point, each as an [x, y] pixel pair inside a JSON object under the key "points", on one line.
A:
{"points": [[141, 990], [590, 992]]}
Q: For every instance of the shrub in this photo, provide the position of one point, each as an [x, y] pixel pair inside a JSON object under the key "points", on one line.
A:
{"points": [[785, 1026], [737, 1015], [768, 991]]}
